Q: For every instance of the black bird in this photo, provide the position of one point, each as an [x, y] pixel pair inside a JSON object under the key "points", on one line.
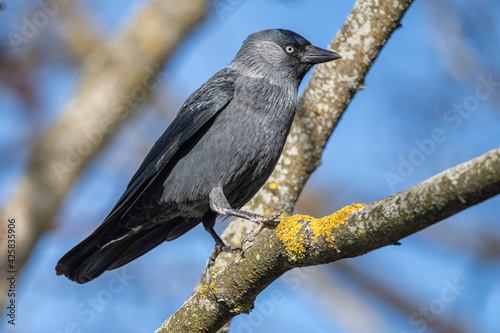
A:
{"points": [[213, 158]]}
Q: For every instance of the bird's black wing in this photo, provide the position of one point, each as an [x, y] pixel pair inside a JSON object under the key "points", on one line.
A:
{"points": [[107, 248], [199, 108]]}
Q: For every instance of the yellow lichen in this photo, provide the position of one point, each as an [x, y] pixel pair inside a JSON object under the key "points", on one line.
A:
{"points": [[288, 233], [273, 186], [218, 269], [214, 288], [288, 230], [266, 212], [319, 111], [325, 225], [202, 290]]}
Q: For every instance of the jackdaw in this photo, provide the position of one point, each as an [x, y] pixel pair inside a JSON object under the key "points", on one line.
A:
{"points": [[213, 158]]}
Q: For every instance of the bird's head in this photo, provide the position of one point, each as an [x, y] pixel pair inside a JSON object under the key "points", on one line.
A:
{"points": [[279, 51]]}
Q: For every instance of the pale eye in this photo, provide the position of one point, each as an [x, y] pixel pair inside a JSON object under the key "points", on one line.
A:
{"points": [[289, 49]]}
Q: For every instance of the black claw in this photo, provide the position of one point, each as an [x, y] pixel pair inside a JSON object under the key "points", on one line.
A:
{"points": [[245, 240], [249, 246], [243, 243], [236, 250]]}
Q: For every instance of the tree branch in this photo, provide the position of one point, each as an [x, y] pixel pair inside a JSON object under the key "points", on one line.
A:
{"points": [[354, 230], [116, 78]]}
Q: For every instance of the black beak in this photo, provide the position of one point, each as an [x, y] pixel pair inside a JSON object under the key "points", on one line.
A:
{"points": [[316, 55]]}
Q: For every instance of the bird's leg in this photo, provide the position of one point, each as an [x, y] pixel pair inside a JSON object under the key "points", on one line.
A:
{"points": [[219, 247], [220, 205]]}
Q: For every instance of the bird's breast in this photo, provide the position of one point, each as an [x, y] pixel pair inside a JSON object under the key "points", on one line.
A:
{"points": [[264, 114]]}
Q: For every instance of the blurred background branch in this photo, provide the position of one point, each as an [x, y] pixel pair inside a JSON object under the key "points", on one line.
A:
{"points": [[399, 303], [117, 77]]}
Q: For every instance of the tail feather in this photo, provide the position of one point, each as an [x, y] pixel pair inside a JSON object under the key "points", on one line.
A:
{"points": [[87, 260], [90, 258], [142, 243]]}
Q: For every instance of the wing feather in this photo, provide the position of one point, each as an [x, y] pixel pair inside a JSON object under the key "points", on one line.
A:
{"points": [[204, 104]]}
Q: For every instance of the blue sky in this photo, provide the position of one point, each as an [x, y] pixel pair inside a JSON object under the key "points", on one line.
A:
{"points": [[408, 95]]}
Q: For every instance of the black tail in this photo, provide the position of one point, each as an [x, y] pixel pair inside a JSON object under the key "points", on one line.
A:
{"points": [[96, 254]]}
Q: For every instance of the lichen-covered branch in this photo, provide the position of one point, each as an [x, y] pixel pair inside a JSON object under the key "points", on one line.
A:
{"points": [[385, 222], [354, 230], [116, 78]]}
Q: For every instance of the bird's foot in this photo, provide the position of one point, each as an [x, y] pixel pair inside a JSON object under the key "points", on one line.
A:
{"points": [[218, 249], [263, 222], [270, 221]]}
